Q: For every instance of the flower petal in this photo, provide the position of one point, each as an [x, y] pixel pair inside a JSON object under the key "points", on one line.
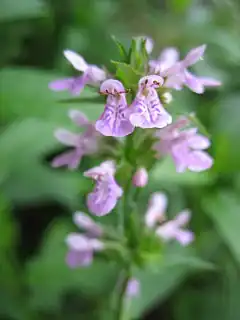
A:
{"points": [[209, 82], [70, 159], [85, 222], [199, 161], [78, 242], [184, 237], [168, 57], [111, 86], [133, 288], [113, 121], [156, 209], [96, 74], [78, 117], [193, 83], [199, 142], [66, 137], [194, 55], [76, 60], [61, 84], [76, 259]]}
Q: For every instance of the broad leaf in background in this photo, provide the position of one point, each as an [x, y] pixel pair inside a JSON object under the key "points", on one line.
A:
{"points": [[25, 93], [224, 209], [226, 135], [158, 281], [11, 298], [49, 270], [24, 144], [23, 9]]}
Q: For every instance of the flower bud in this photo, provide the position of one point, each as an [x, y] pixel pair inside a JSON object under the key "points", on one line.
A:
{"points": [[140, 178], [166, 97]]}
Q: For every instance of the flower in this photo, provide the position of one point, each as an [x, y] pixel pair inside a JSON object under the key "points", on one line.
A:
{"points": [[176, 73], [84, 144], [91, 75], [82, 246], [155, 218], [149, 43], [140, 178], [133, 288], [146, 110], [81, 249], [185, 146], [106, 192], [83, 221], [114, 121]]}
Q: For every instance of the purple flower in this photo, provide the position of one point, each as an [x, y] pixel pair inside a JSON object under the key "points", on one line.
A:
{"points": [[133, 288], [140, 178], [175, 71], [83, 221], [146, 110], [85, 143], [114, 121], [185, 146], [171, 230], [106, 192], [81, 249], [91, 75]]}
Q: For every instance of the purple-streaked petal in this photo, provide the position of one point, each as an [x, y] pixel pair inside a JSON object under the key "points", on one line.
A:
{"points": [[66, 137], [104, 196], [85, 222], [198, 142], [184, 237], [78, 117], [106, 167], [133, 288], [61, 84], [114, 120], [76, 60], [151, 81], [112, 86], [76, 259], [194, 55], [199, 161]]}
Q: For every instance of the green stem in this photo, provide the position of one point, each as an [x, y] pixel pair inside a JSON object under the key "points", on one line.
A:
{"points": [[120, 308]]}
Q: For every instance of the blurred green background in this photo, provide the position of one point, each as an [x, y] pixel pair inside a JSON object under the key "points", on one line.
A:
{"points": [[36, 202]]}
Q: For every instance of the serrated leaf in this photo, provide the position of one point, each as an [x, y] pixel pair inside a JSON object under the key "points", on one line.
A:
{"points": [[126, 74], [121, 49]]}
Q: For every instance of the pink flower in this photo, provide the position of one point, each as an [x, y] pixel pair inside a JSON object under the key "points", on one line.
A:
{"points": [[176, 73], [146, 110], [85, 143], [155, 218], [140, 178], [185, 146], [82, 246], [114, 120], [106, 192], [91, 75], [133, 288]]}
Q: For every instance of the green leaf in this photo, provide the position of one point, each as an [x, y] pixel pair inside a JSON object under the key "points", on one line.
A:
{"points": [[138, 55], [121, 49], [157, 282], [25, 93], [126, 74], [223, 209], [226, 135], [24, 9], [25, 177], [49, 277]]}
